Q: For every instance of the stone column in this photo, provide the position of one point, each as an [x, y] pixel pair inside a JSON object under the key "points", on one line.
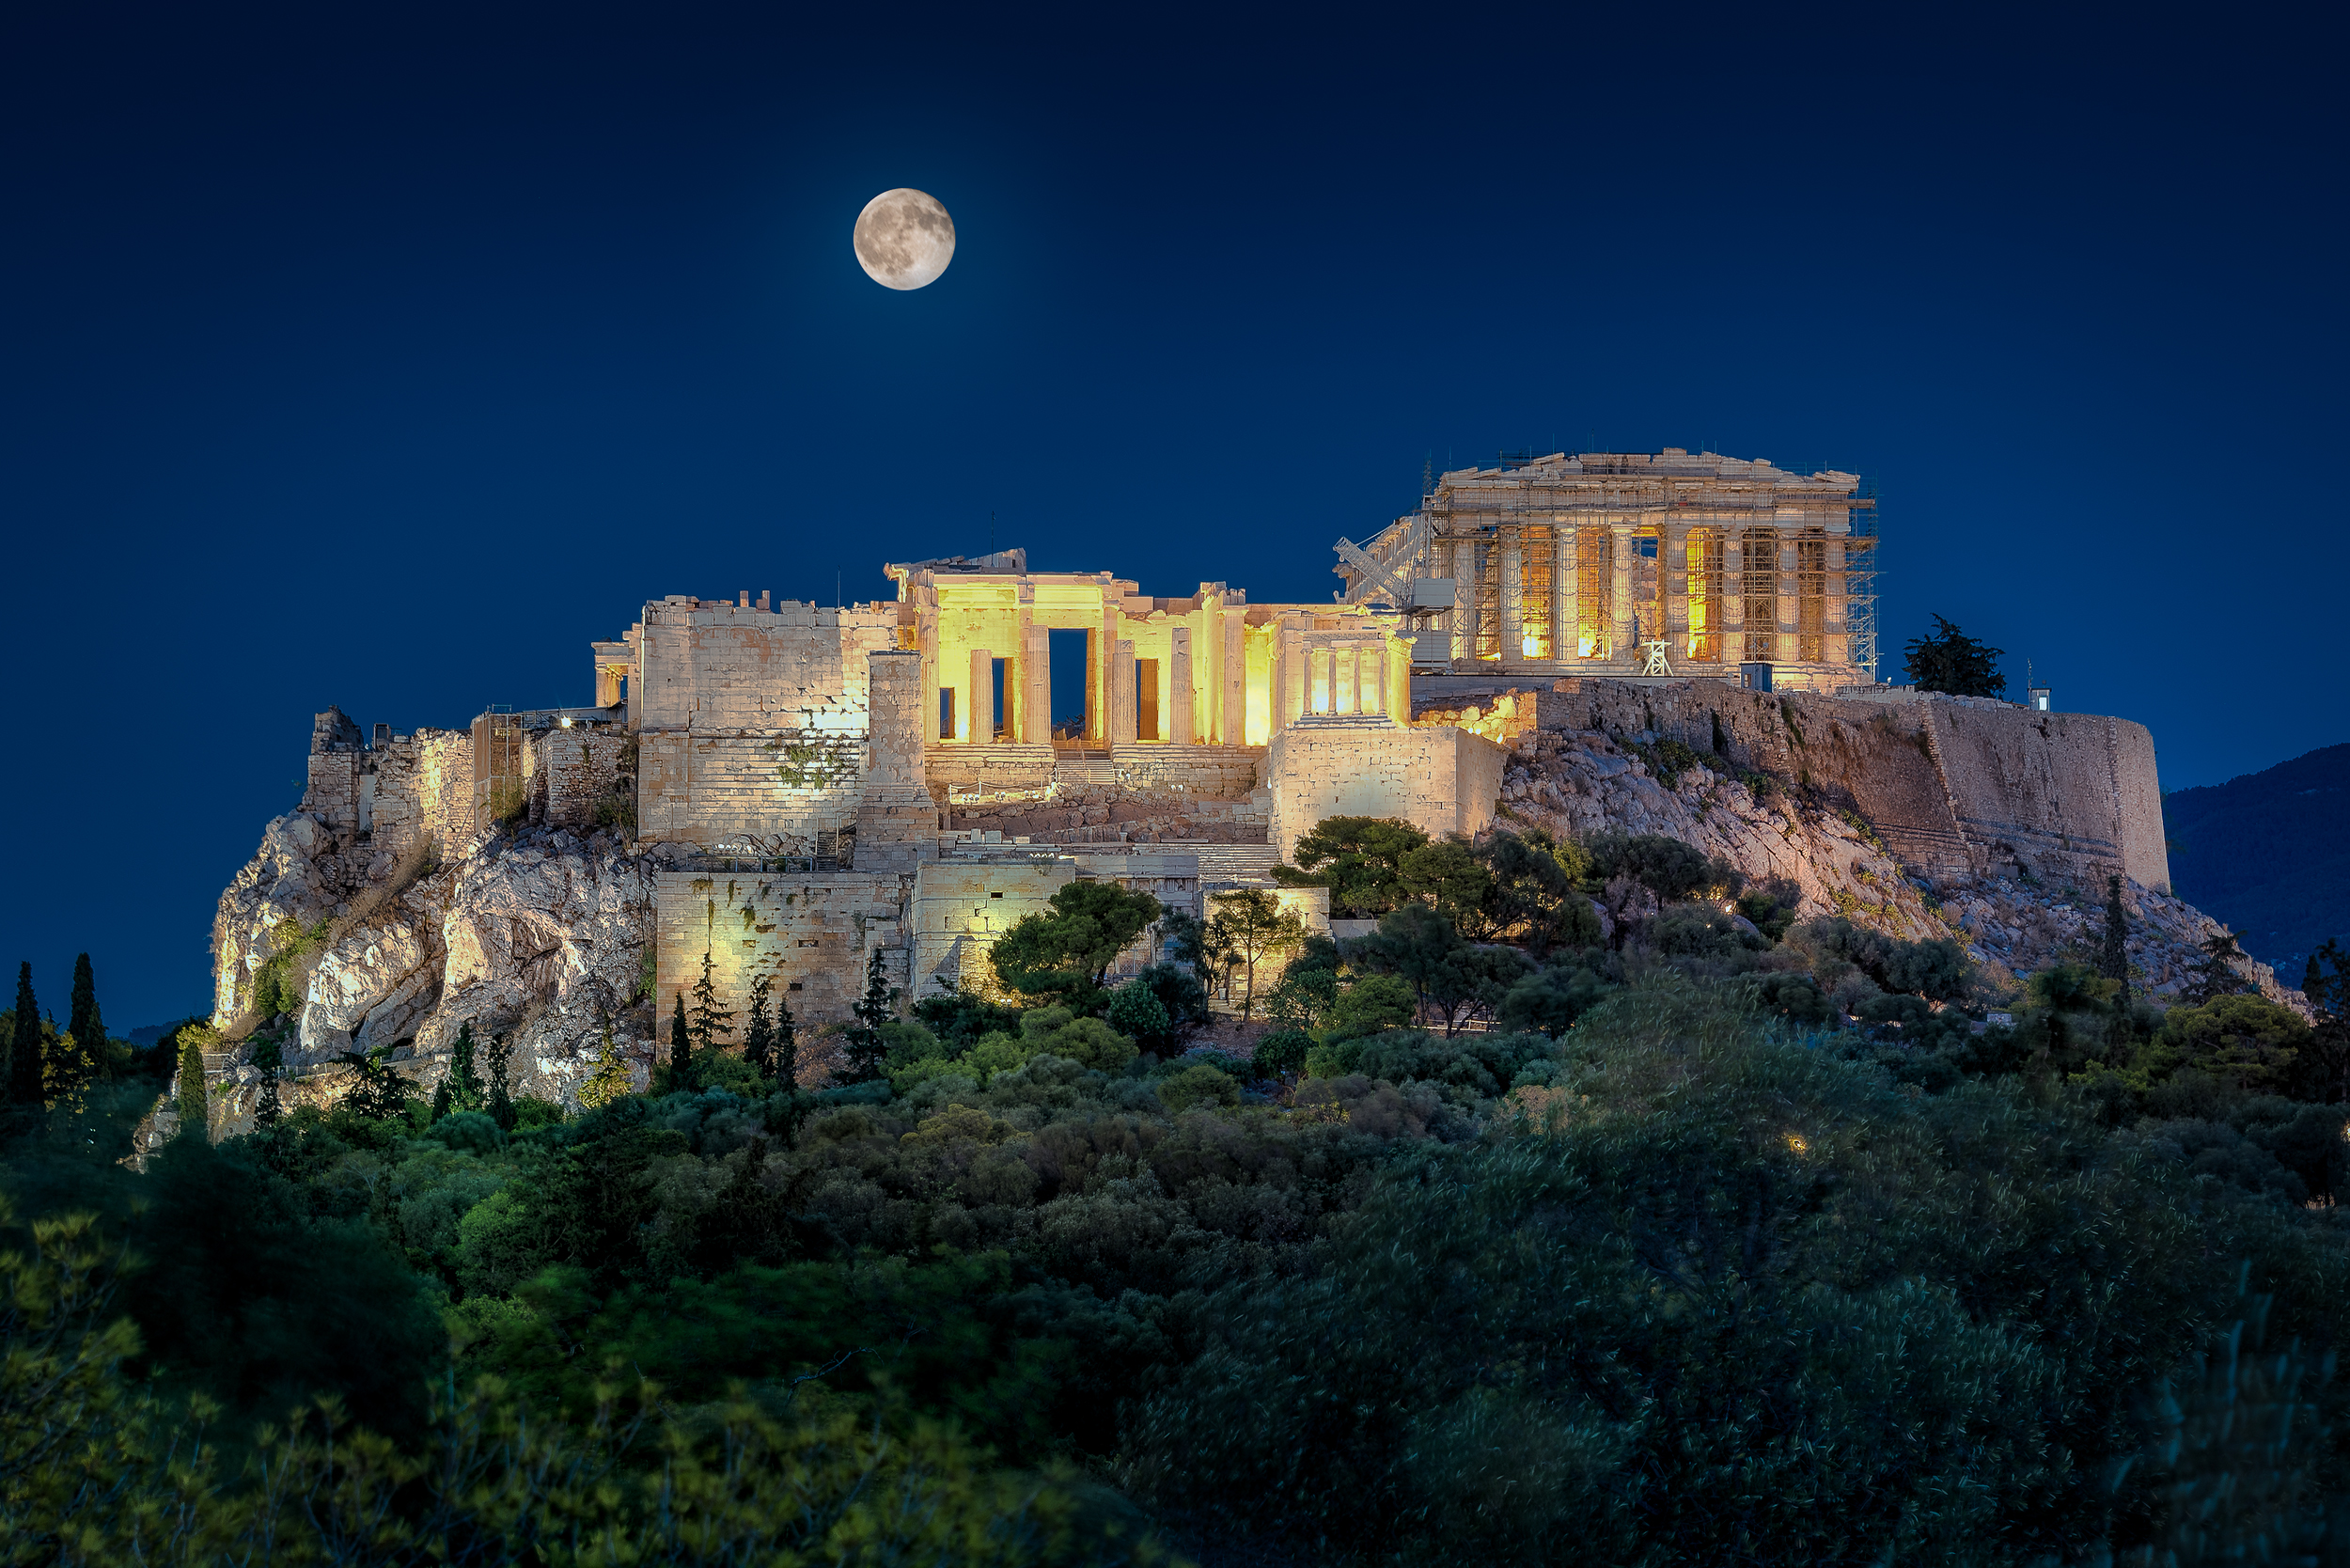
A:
{"points": [[1105, 640], [1620, 610], [1512, 608], [1181, 730], [1733, 597], [1789, 604], [1375, 671], [1464, 599], [1569, 644], [897, 821], [1123, 697], [1290, 697], [1232, 725], [981, 701], [1673, 565], [1834, 625], [1037, 683]]}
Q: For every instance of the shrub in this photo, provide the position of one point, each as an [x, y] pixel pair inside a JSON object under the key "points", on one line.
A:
{"points": [[1281, 1051], [1198, 1086]]}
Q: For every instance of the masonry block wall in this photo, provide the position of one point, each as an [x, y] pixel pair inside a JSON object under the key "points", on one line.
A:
{"points": [[571, 773], [800, 785], [809, 933], [1440, 780], [403, 788], [960, 907], [714, 665]]}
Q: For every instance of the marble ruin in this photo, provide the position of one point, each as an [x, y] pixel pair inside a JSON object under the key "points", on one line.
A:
{"points": [[794, 789]]}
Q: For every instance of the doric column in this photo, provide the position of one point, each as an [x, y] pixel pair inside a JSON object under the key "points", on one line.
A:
{"points": [[1037, 683], [1464, 599], [1620, 607], [980, 703], [1733, 597], [1790, 601], [1180, 697], [1512, 643], [1232, 728], [1123, 697], [1291, 700], [1835, 624], [1104, 652], [1673, 565], [1564, 587]]}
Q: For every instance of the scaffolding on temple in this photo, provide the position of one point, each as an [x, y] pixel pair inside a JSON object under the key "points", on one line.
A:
{"points": [[1861, 578]]}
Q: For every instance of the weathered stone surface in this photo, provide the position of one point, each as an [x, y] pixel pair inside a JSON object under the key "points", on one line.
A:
{"points": [[1582, 783]]}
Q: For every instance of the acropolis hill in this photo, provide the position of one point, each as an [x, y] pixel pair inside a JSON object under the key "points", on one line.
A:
{"points": [[792, 788]]}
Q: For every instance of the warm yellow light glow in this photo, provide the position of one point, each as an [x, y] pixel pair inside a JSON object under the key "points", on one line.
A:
{"points": [[1796, 1144], [1530, 646]]}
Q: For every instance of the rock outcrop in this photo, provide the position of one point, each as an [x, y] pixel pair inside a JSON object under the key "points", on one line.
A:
{"points": [[538, 935], [1582, 782]]}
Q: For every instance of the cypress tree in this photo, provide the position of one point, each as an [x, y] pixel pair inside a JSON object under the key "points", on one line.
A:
{"points": [[24, 1063], [681, 1047], [865, 1045], [193, 1121], [787, 1046], [84, 1008], [758, 1035], [461, 1083], [269, 1059], [501, 1101], [2113, 958]]}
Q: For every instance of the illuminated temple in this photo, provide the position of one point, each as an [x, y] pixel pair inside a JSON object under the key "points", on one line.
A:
{"points": [[1633, 563]]}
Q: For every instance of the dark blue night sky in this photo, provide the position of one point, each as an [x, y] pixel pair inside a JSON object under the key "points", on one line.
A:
{"points": [[387, 355]]}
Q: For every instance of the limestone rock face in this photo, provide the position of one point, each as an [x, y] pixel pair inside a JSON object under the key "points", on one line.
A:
{"points": [[2012, 921], [538, 937]]}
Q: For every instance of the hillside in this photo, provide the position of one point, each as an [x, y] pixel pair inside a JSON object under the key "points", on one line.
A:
{"points": [[2269, 853]]}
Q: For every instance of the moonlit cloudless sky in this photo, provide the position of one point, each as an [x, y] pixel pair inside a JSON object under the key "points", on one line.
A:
{"points": [[387, 355]]}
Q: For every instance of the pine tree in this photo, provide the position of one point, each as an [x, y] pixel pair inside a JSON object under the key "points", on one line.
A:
{"points": [[81, 1050], [610, 1081], [680, 1048], [24, 1063], [711, 1021], [194, 1120], [2113, 958], [758, 1034], [867, 1048], [2217, 976], [1950, 661], [501, 1101]]}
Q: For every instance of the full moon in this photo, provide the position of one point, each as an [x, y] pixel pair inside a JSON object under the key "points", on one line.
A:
{"points": [[903, 239]]}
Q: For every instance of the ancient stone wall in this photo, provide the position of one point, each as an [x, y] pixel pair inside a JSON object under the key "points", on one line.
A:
{"points": [[802, 786], [810, 932], [719, 666], [961, 906], [424, 790], [896, 820], [571, 773], [1203, 772], [1440, 780]]}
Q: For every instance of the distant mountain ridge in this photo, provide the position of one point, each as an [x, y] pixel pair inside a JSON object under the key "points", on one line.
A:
{"points": [[2269, 853]]}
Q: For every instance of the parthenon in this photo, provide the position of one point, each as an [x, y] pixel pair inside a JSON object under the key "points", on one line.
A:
{"points": [[1633, 563]]}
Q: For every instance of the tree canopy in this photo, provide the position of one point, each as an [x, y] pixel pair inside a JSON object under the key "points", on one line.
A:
{"points": [[1948, 660]]}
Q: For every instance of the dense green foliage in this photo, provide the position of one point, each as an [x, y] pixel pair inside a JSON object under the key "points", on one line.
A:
{"points": [[1713, 1238]]}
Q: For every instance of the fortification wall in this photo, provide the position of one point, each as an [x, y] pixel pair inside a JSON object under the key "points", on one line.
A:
{"points": [[1440, 780], [569, 773], [960, 907], [809, 933], [1954, 786], [733, 667], [803, 786]]}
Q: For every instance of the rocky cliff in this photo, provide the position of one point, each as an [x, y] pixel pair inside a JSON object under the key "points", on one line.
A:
{"points": [[537, 935], [2012, 919]]}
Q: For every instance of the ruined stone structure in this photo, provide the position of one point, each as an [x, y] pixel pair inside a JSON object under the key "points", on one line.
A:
{"points": [[794, 791], [1600, 562]]}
